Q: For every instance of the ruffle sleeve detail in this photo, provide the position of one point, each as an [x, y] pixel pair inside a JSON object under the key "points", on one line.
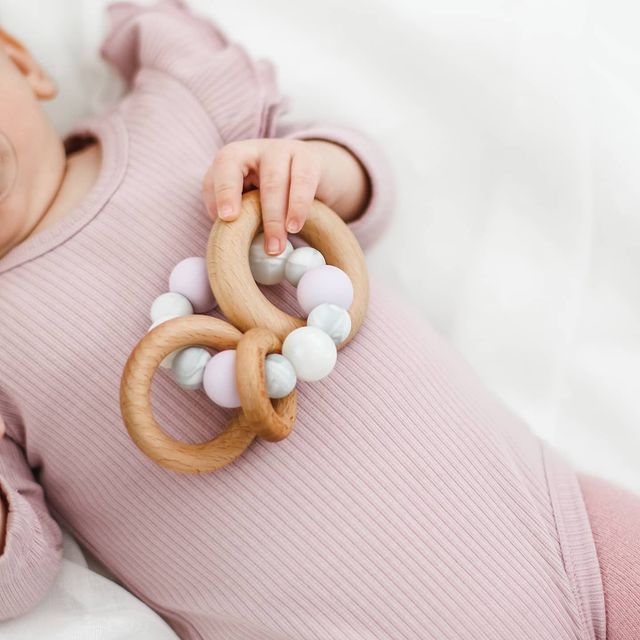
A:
{"points": [[239, 93]]}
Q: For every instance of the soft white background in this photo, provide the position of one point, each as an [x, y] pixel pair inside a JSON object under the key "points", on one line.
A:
{"points": [[514, 128]]}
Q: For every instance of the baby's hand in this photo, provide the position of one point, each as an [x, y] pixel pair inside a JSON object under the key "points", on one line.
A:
{"points": [[289, 174]]}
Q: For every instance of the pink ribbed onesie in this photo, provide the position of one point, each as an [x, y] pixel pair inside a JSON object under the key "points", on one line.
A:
{"points": [[407, 504]]}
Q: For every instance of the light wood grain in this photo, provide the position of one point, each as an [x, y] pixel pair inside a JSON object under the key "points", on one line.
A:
{"points": [[237, 293], [135, 397], [265, 325], [270, 423]]}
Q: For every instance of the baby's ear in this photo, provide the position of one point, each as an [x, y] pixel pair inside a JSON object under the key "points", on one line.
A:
{"points": [[43, 86]]}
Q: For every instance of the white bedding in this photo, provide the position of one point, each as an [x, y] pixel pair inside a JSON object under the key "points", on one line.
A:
{"points": [[85, 605], [515, 131]]}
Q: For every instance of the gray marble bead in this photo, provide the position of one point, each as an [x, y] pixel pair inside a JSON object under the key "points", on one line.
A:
{"points": [[170, 305], [280, 376], [267, 269], [188, 367], [300, 261], [332, 319]]}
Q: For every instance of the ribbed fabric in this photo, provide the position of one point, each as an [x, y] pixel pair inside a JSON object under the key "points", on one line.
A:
{"points": [[407, 504], [615, 520]]}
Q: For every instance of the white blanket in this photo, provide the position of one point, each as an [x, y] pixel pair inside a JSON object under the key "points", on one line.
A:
{"points": [[85, 605], [515, 131]]}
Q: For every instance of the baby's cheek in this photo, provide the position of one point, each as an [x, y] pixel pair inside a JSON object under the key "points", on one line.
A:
{"points": [[8, 166]]}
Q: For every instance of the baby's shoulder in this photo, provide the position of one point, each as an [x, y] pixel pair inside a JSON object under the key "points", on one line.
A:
{"points": [[166, 53]]}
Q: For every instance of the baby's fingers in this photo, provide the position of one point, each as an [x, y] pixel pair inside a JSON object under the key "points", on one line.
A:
{"points": [[305, 175], [223, 182], [275, 167]]}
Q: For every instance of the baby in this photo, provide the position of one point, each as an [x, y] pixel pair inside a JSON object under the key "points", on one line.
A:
{"points": [[406, 504]]}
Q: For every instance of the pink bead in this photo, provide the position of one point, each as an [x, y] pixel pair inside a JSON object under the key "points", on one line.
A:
{"points": [[324, 284], [219, 379], [190, 278]]}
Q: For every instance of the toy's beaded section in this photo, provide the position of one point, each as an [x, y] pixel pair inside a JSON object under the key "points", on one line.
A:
{"points": [[309, 353], [260, 350]]}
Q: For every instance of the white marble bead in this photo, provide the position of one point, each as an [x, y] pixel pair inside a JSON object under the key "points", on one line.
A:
{"points": [[332, 319], [267, 269], [167, 363], [170, 305], [300, 261], [188, 367], [311, 351], [176, 308], [280, 376]]}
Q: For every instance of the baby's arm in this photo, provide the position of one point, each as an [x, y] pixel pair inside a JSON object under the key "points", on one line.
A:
{"points": [[370, 224], [31, 548], [244, 102], [338, 165]]}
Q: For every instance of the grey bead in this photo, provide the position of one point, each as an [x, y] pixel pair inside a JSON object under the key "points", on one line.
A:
{"points": [[188, 367], [280, 376], [332, 319], [265, 268], [300, 261]]}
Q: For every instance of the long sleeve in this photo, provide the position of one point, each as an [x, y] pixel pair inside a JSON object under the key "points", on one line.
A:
{"points": [[372, 222], [238, 93], [32, 552]]}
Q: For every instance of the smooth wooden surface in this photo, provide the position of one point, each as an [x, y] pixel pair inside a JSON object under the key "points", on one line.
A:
{"points": [[266, 326], [237, 293], [135, 397], [270, 423]]}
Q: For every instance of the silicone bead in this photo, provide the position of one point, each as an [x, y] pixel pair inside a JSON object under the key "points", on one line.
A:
{"points": [[311, 352], [167, 363], [219, 380], [190, 278], [324, 284], [300, 261], [280, 376], [170, 305], [267, 269], [188, 367], [332, 319]]}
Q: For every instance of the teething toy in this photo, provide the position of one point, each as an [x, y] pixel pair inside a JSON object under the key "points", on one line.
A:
{"points": [[262, 352]]}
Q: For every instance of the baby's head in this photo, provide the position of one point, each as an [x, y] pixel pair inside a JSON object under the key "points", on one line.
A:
{"points": [[32, 157]]}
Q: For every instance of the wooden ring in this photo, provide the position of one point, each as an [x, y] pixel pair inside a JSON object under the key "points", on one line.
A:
{"points": [[269, 423], [237, 293], [135, 397], [266, 327]]}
